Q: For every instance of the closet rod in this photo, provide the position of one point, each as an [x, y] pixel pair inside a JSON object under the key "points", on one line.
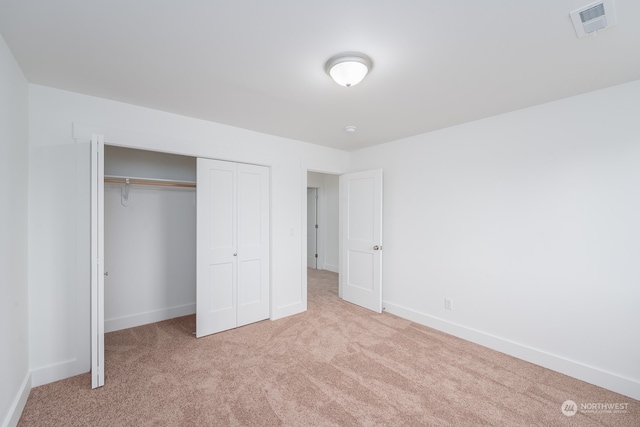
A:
{"points": [[144, 181]]}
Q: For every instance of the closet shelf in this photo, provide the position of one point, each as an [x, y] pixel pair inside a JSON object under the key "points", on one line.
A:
{"points": [[148, 181]]}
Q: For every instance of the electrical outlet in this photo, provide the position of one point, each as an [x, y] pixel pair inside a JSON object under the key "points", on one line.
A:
{"points": [[447, 303]]}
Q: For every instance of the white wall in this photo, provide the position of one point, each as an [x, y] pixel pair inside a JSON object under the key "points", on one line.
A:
{"points": [[15, 382], [150, 240], [121, 161], [59, 211], [529, 222], [327, 186]]}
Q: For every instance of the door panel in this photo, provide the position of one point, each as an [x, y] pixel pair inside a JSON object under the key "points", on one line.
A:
{"points": [[248, 276], [360, 271], [360, 227], [250, 209], [253, 243], [361, 239], [221, 210], [216, 244], [220, 309], [221, 284]]}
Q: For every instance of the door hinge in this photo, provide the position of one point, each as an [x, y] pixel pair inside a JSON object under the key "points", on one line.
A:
{"points": [[316, 255], [316, 225]]}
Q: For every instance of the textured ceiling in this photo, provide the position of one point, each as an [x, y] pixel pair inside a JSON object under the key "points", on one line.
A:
{"points": [[259, 65]]}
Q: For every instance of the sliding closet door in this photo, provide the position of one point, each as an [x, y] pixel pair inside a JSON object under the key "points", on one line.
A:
{"points": [[232, 245]]}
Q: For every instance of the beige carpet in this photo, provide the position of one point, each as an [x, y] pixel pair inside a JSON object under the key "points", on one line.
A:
{"points": [[336, 364]]}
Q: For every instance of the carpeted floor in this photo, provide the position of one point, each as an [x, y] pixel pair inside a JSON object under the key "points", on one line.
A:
{"points": [[336, 364]]}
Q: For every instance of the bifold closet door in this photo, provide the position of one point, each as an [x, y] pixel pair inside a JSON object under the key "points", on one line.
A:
{"points": [[232, 245]]}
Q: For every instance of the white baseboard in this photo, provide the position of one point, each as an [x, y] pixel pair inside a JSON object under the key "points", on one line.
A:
{"points": [[125, 322], [289, 310], [17, 406], [331, 267], [590, 374], [58, 371]]}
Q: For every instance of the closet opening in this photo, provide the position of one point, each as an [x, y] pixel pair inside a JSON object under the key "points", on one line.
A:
{"points": [[149, 237], [156, 254]]}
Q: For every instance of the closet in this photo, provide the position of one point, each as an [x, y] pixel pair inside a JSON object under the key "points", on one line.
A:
{"points": [[157, 254], [167, 256], [150, 237]]}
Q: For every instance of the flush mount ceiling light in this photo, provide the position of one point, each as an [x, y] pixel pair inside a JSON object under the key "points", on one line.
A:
{"points": [[349, 68]]}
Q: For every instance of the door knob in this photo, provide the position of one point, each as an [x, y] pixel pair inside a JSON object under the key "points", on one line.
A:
{"points": [[376, 248], [106, 273], [235, 254]]}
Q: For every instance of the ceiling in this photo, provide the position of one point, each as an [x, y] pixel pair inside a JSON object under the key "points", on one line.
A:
{"points": [[259, 65]]}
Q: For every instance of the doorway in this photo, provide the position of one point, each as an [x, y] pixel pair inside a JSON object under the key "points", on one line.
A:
{"points": [[312, 228], [322, 221], [97, 259], [149, 238], [352, 211]]}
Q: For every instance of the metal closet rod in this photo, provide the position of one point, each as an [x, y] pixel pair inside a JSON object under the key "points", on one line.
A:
{"points": [[145, 181]]}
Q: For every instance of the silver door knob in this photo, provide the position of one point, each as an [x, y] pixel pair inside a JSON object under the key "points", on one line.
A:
{"points": [[106, 273], [376, 248], [236, 254]]}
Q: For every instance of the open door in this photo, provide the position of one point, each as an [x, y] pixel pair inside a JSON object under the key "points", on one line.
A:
{"points": [[97, 260], [361, 239]]}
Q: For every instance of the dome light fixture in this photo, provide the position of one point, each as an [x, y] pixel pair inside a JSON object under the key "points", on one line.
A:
{"points": [[349, 68]]}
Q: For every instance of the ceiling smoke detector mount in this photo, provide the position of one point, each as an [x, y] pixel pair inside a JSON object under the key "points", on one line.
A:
{"points": [[593, 17]]}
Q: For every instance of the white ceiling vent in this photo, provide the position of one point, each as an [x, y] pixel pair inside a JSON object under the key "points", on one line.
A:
{"points": [[593, 17]]}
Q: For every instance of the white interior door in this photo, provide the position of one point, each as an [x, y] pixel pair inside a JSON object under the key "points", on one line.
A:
{"points": [[361, 239], [312, 227], [232, 279], [97, 260]]}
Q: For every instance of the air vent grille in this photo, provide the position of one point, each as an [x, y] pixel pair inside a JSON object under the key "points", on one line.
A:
{"points": [[593, 17], [592, 13]]}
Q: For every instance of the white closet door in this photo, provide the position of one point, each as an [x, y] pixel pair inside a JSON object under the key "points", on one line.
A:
{"points": [[216, 308], [232, 245], [253, 243]]}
